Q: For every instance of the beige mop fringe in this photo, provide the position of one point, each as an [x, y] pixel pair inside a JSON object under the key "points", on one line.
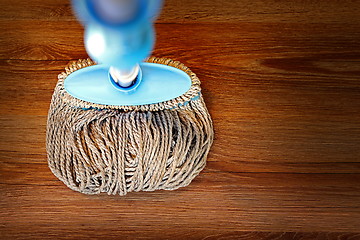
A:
{"points": [[97, 148]]}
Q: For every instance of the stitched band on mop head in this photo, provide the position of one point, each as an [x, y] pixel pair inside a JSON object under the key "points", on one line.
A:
{"points": [[180, 104]]}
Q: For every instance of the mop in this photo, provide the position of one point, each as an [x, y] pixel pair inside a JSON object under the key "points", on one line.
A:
{"points": [[117, 123]]}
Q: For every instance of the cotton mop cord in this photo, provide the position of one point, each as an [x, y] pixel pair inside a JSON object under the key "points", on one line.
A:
{"points": [[117, 150]]}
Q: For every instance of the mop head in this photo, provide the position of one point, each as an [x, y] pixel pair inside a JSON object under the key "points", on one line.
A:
{"points": [[95, 148]]}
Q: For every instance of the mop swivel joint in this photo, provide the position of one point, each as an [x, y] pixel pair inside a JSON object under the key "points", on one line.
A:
{"points": [[125, 79]]}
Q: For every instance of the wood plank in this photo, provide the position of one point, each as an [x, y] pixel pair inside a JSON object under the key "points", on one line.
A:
{"points": [[218, 11], [36, 40], [241, 42], [293, 202], [47, 232]]}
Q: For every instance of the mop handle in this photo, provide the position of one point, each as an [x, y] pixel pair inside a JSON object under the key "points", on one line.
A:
{"points": [[118, 33]]}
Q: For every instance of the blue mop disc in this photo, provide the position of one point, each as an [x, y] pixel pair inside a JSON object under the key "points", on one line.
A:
{"points": [[157, 83]]}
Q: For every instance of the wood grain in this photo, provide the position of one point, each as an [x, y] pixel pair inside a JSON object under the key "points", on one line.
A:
{"points": [[216, 11], [281, 80]]}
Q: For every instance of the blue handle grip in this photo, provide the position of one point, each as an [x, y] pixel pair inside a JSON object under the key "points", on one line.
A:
{"points": [[120, 44]]}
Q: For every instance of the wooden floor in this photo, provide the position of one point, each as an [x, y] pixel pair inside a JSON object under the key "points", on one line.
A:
{"points": [[281, 80]]}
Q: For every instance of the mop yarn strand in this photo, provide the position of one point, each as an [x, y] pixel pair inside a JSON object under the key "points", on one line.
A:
{"points": [[95, 148]]}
